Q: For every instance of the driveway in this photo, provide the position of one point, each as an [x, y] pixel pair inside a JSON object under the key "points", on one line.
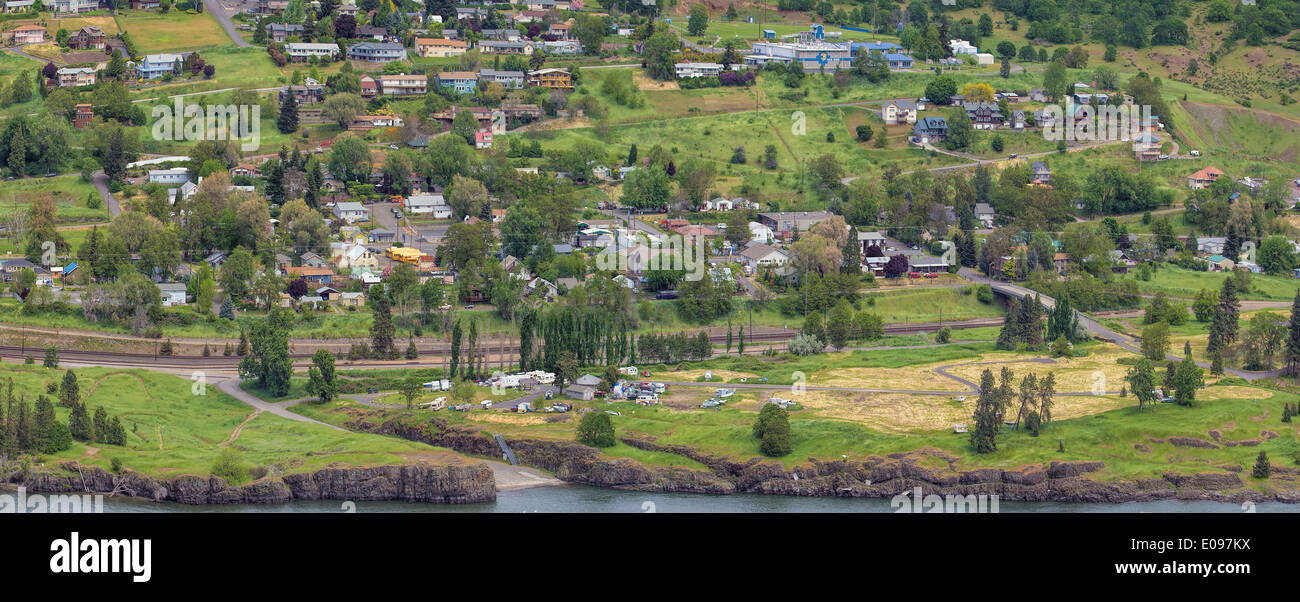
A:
{"points": [[219, 13], [101, 184]]}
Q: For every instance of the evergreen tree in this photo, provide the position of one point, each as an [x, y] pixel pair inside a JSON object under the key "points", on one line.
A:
{"points": [[381, 328], [983, 437], [227, 308], [1293, 338], [51, 358], [242, 350], [288, 121], [69, 392], [79, 423], [44, 423], [851, 262], [1262, 469], [1223, 326], [100, 424], [454, 362]]}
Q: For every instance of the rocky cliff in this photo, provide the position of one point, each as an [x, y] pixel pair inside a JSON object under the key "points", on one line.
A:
{"points": [[411, 483]]}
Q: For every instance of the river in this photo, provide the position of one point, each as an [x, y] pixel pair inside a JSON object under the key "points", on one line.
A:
{"points": [[583, 499]]}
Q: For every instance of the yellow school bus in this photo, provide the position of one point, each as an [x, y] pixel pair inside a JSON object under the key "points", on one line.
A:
{"points": [[404, 254]]}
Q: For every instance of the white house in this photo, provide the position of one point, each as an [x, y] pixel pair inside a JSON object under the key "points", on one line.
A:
{"points": [[758, 254], [351, 212], [962, 47], [169, 177], [698, 69], [429, 203], [899, 111], [173, 293], [759, 232]]}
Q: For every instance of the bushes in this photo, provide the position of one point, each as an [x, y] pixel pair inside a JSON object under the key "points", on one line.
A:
{"points": [[596, 430], [984, 294], [773, 429], [804, 345], [229, 466]]}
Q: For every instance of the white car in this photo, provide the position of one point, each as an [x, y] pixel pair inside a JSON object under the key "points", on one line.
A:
{"points": [[1195, 153]]}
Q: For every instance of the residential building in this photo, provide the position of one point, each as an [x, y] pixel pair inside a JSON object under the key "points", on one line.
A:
{"points": [[75, 6], [551, 78], [983, 115], [301, 51], [505, 47], [20, 6], [369, 87], [1211, 245], [899, 111], [155, 66], [685, 70], [370, 31], [169, 177], [351, 212], [510, 80], [509, 35], [461, 82], [561, 30], [482, 139], [403, 84], [173, 293], [440, 47], [84, 117], [985, 214], [962, 47], [311, 274], [792, 221], [87, 38], [304, 94], [279, 32], [898, 61], [71, 77], [758, 255], [29, 34], [561, 47], [376, 52], [370, 122], [1203, 177], [1042, 173], [434, 204], [930, 129]]}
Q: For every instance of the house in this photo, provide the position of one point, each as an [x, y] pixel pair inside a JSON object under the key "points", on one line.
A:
{"points": [[985, 214], [173, 293], [509, 35], [685, 70], [544, 287], [1060, 261], [899, 111], [1211, 245], [461, 82], [872, 240], [370, 122], [1147, 147], [369, 86], [154, 66], [510, 80], [984, 58], [1219, 263], [279, 32], [1017, 120], [759, 255], [312, 260], [440, 47], [1203, 177], [307, 94], [169, 177], [382, 235], [351, 299], [72, 77], [87, 38], [20, 6], [930, 129], [244, 169], [959, 46], [898, 61], [30, 34], [403, 84], [301, 51], [355, 256], [85, 116], [1042, 173], [583, 392], [351, 212], [370, 31], [983, 115], [434, 204], [482, 139], [376, 52], [493, 120], [559, 79], [75, 6], [267, 7], [505, 47], [521, 111], [311, 275], [561, 30], [792, 221]]}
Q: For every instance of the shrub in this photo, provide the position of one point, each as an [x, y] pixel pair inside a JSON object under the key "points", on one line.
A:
{"points": [[984, 294], [804, 345], [596, 430], [229, 466]]}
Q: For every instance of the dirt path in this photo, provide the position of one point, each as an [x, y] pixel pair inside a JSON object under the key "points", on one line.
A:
{"points": [[239, 429], [101, 379]]}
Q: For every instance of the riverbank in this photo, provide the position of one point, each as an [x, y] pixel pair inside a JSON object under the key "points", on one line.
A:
{"points": [[929, 468]]}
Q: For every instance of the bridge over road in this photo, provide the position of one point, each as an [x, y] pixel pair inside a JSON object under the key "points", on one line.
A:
{"points": [[1094, 328]]}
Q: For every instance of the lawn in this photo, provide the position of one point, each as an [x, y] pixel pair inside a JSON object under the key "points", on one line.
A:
{"points": [[69, 193], [172, 32], [75, 23], [1178, 282], [171, 431]]}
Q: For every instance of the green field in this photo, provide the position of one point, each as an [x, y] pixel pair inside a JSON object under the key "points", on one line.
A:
{"points": [[69, 193], [1178, 282], [173, 31], [171, 431]]}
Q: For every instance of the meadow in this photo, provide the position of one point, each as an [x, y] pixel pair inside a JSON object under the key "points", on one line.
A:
{"points": [[172, 32]]}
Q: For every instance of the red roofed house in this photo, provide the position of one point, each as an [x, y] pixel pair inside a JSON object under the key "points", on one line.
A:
{"points": [[369, 87], [482, 139], [1203, 178]]}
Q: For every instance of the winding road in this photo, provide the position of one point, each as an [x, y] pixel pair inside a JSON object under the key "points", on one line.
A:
{"points": [[218, 12]]}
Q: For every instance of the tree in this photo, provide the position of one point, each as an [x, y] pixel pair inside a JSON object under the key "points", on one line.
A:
{"points": [[51, 358], [1262, 470], [590, 31], [698, 21], [464, 125], [69, 392], [1155, 341], [940, 90], [1187, 380], [229, 465], [960, 131], [983, 437], [1293, 338], [596, 430], [1046, 391], [79, 424], [343, 107], [1142, 380], [327, 387], [1054, 81], [411, 389], [773, 431], [381, 327], [288, 120], [1223, 325]]}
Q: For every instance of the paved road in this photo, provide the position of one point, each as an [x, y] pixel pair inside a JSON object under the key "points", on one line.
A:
{"points": [[230, 386], [44, 59], [101, 185], [219, 13]]}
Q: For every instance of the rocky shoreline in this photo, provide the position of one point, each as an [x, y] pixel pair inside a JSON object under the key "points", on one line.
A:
{"points": [[409, 483], [875, 477]]}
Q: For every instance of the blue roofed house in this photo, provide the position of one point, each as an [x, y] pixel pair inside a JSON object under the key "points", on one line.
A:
{"points": [[155, 66], [898, 61], [930, 129]]}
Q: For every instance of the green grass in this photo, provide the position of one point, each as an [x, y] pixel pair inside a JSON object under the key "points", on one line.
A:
{"points": [[69, 193], [173, 31], [1178, 282], [929, 305], [171, 431]]}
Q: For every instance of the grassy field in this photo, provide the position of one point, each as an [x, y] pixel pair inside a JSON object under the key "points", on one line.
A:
{"points": [[171, 431], [75, 23], [172, 32], [1178, 282], [69, 193]]}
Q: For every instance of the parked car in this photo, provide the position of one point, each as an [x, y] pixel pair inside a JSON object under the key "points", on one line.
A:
{"points": [[913, 274], [1195, 153], [932, 275]]}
